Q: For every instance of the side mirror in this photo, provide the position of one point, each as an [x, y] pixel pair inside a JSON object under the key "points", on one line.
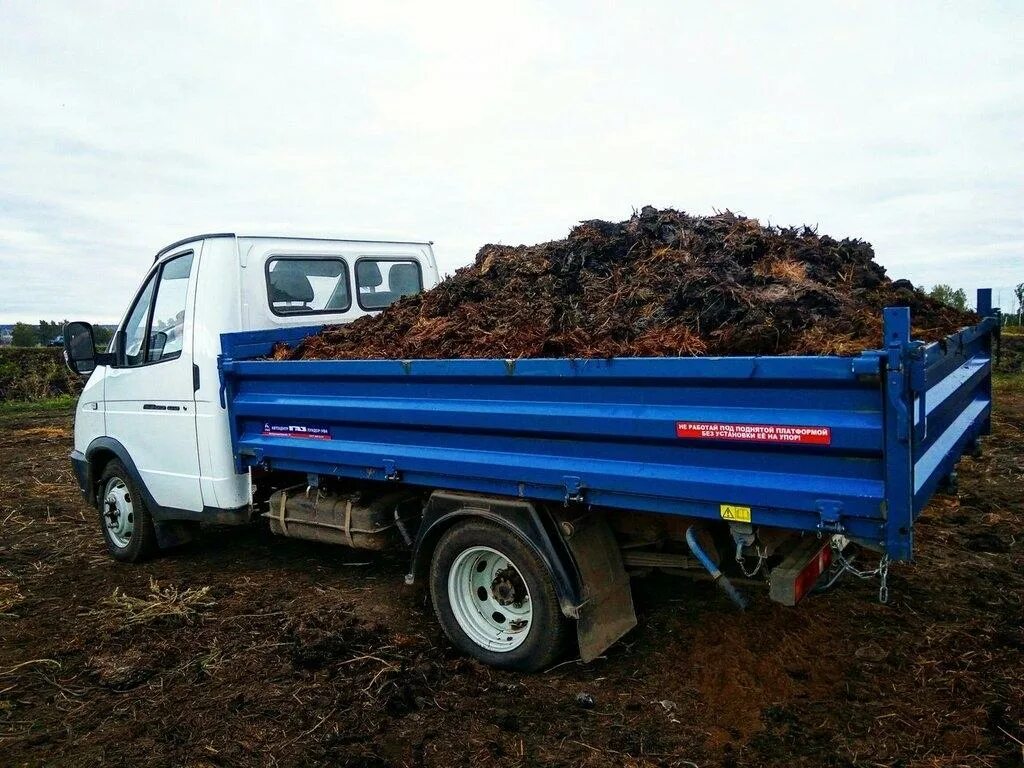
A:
{"points": [[80, 349]]}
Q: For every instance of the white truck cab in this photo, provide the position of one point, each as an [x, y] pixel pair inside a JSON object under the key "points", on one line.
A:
{"points": [[149, 422]]}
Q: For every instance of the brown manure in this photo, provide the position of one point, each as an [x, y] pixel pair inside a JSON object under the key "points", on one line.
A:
{"points": [[662, 283]]}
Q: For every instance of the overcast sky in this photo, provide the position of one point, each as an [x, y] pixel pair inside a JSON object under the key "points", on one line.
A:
{"points": [[124, 127]]}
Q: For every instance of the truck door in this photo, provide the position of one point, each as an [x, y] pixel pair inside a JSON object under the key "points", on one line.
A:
{"points": [[149, 395]]}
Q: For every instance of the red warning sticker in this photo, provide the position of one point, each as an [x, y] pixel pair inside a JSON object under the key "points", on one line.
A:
{"points": [[758, 433]]}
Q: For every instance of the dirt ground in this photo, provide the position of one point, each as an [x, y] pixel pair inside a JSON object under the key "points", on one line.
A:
{"points": [[247, 650]]}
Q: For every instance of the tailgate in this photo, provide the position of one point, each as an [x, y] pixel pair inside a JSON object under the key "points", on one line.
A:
{"points": [[938, 404]]}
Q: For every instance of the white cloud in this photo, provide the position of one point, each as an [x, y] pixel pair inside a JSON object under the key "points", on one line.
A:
{"points": [[127, 126]]}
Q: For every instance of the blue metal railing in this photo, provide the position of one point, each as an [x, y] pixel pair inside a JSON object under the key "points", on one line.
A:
{"points": [[819, 444], [939, 400]]}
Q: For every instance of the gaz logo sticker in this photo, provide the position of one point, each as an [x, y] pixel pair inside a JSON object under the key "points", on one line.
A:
{"points": [[302, 431], [755, 433], [735, 513]]}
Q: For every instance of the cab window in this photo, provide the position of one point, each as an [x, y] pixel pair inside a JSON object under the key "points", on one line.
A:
{"points": [[307, 285], [167, 329], [382, 282], [154, 330], [136, 324]]}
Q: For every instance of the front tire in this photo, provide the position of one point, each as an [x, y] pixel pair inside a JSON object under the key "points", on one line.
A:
{"points": [[495, 598], [125, 521]]}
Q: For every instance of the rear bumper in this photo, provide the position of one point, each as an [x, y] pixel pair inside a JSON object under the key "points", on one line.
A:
{"points": [[83, 473]]}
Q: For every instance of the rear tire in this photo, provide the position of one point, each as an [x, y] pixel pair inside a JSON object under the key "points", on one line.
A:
{"points": [[495, 598], [125, 521]]}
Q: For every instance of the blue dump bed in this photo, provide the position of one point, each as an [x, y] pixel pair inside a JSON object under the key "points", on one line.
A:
{"points": [[852, 445]]}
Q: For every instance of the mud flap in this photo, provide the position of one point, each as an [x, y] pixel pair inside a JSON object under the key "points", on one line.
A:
{"points": [[606, 611], [173, 533]]}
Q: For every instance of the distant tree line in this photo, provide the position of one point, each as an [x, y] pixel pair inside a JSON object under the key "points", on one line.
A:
{"points": [[45, 332], [958, 300], [944, 293]]}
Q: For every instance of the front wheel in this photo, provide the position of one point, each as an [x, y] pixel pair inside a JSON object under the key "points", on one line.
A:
{"points": [[124, 518], [495, 598]]}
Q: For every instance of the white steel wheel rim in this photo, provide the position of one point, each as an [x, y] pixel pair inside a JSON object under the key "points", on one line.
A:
{"points": [[118, 512], [490, 599]]}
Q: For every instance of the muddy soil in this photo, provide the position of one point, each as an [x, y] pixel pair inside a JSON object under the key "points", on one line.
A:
{"points": [[661, 283], [244, 650]]}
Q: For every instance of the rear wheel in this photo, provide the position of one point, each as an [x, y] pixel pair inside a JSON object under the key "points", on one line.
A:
{"points": [[124, 518], [495, 598]]}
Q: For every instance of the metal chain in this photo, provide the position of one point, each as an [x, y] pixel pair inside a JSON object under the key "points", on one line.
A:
{"points": [[882, 571], [761, 557]]}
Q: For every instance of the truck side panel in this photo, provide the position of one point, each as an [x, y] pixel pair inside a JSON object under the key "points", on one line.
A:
{"points": [[816, 444], [612, 433]]}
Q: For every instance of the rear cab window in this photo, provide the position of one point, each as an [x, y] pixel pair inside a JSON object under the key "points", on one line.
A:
{"points": [[380, 282], [307, 285]]}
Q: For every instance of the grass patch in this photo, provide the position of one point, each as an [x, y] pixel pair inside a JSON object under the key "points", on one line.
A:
{"points": [[35, 374], [1008, 383], [33, 407]]}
